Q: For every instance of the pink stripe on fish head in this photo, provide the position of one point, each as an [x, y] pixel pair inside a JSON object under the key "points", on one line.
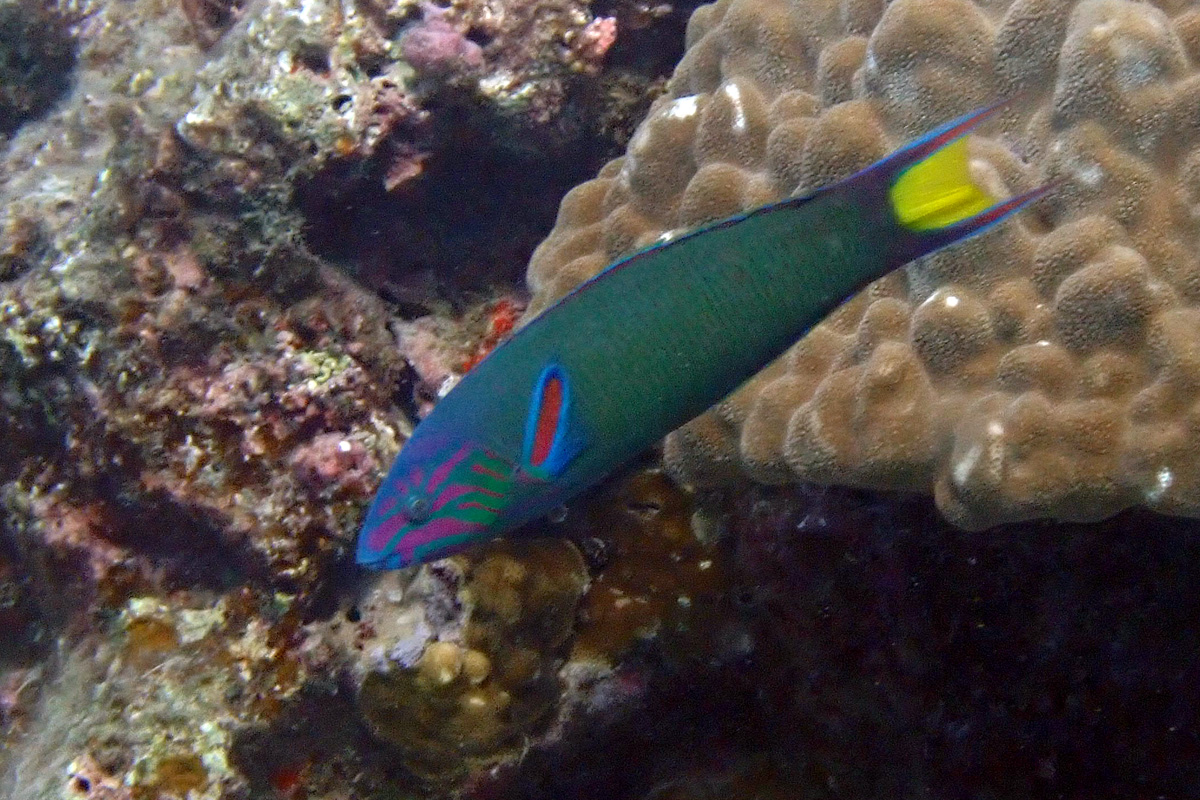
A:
{"points": [[386, 504], [432, 531], [383, 533], [450, 494], [443, 471], [491, 473]]}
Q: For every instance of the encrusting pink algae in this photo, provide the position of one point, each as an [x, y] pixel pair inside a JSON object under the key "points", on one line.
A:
{"points": [[244, 247]]}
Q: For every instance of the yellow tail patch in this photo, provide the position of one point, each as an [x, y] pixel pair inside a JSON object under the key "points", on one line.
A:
{"points": [[938, 191]]}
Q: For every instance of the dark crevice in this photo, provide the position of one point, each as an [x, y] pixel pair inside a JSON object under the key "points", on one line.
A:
{"points": [[468, 220], [37, 57], [453, 205]]}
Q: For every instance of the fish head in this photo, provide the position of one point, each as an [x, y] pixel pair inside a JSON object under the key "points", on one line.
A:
{"points": [[440, 496]]}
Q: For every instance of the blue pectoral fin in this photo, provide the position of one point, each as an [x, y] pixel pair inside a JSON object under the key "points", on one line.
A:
{"points": [[553, 435]]}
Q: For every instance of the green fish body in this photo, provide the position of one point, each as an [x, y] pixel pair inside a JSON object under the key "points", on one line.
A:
{"points": [[657, 338]]}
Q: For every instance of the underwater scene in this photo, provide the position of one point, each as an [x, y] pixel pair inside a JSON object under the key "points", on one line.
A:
{"points": [[599, 399]]}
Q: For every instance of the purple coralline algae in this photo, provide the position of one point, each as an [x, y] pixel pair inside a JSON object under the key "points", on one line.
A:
{"points": [[436, 47]]}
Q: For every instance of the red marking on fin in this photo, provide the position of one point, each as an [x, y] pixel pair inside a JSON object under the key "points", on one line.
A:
{"points": [[1014, 204], [549, 411], [962, 125], [1002, 210]]}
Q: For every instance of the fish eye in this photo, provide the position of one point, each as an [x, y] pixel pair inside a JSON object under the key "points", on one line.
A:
{"points": [[418, 509]]}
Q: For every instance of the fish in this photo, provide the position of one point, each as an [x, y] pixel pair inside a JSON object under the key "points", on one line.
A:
{"points": [[657, 338]]}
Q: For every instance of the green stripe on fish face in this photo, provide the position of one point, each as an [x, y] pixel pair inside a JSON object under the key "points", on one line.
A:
{"points": [[449, 492]]}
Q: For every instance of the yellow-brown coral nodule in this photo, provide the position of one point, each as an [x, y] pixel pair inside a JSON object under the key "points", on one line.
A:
{"points": [[658, 580], [467, 704], [484, 689], [1048, 368]]}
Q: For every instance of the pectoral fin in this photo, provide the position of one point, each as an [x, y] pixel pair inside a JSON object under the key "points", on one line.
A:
{"points": [[552, 436]]}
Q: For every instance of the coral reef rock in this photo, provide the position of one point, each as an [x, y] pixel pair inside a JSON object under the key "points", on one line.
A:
{"points": [[196, 401], [456, 665], [1046, 369], [477, 672]]}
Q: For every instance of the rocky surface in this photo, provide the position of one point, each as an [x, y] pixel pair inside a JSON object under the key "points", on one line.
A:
{"points": [[197, 396], [244, 247]]}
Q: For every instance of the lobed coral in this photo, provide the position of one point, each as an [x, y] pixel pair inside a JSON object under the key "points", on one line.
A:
{"points": [[465, 702], [1047, 368]]}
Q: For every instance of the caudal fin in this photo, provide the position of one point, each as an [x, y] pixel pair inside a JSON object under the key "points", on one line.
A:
{"points": [[936, 202], [938, 191], [992, 215], [936, 194], [931, 195]]}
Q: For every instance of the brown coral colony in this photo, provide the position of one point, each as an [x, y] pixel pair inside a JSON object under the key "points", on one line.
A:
{"points": [[1047, 369]]}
